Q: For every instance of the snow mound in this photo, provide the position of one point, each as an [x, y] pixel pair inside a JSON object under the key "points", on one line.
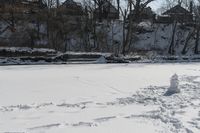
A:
{"points": [[102, 60], [146, 25]]}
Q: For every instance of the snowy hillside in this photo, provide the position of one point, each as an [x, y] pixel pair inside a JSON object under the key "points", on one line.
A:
{"points": [[158, 38], [99, 98], [147, 38]]}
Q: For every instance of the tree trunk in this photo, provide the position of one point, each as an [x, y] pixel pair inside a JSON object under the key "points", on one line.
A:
{"points": [[171, 47], [190, 35], [38, 29], [118, 5], [128, 35], [124, 33], [12, 17], [137, 11], [57, 3], [196, 50]]}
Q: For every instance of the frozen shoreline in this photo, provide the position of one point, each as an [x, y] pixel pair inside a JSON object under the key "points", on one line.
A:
{"points": [[18, 61], [28, 56]]}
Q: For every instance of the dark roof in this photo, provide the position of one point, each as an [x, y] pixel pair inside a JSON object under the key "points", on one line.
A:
{"points": [[70, 3], [72, 8], [25, 2], [9, 1], [178, 9], [107, 6], [110, 7], [146, 10]]}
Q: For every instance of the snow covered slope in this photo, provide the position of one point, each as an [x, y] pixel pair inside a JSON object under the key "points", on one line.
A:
{"points": [[159, 36], [99, 98]]}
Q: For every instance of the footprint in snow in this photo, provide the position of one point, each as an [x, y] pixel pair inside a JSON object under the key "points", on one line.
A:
{"points": [[45, 126], [104, 119], [84, 124]]}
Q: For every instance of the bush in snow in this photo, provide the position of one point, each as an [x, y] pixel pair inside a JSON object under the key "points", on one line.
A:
{"points": [[174, 83]]}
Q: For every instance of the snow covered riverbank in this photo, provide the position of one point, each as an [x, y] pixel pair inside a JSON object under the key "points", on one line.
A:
{"points": [[41, 56], [108, 98]]}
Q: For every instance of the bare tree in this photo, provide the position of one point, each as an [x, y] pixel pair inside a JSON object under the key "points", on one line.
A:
{"points": [[197, 22], [118, 6], [99, 4], [172, 45], [196, 31], [50, 3], [138, 6], [12, 20], [57, 3]]}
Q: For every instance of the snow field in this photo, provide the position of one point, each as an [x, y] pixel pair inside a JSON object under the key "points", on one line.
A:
{"points": [[99, 98]]}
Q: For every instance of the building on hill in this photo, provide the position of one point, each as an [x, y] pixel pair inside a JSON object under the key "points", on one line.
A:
{"points": [[176, 13], [21, 6], [71, 8], [71, 12], [106, 11], [145, 14], [12, 11]]}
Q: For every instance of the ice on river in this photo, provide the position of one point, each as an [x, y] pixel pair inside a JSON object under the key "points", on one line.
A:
{"points": [[100, 98]]}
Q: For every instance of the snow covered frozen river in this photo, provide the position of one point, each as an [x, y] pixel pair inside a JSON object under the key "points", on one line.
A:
{"points": [[99, 98]]}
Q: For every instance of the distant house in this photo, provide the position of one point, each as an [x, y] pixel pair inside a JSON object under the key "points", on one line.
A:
{"points": [[145, 14], [72, 12], [21, 6], [71, 8], [106, 11], [177, 13]]}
